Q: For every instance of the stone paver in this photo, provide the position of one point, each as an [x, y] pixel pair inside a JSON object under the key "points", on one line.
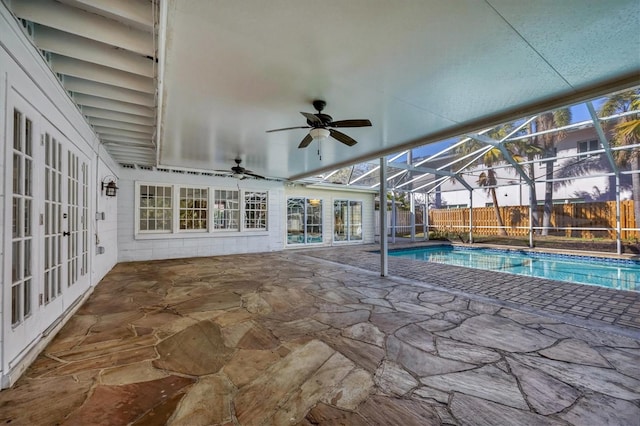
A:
{"points": [[287, 338], [579, 301]]}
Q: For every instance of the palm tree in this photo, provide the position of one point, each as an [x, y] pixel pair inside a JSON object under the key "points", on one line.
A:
{"points": [[626, 131], [547, 143], [488, 178], [524, 149]]}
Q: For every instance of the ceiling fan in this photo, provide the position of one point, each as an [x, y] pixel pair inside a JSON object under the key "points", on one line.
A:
{"points": [[321, 126], [240, 172]]}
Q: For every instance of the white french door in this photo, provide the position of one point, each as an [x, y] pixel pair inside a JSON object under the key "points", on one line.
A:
{"points": [[20, 286], [65, 233], [75, 223], [49, 216]]}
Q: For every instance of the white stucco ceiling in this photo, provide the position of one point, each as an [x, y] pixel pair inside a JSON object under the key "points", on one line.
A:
{"points": [[414, 68], [229, 70]]}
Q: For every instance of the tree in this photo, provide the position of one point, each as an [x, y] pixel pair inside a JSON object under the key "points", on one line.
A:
{"points": [[524, 149], [626, 132], [402, 203], [547, 142], [488, 179]]}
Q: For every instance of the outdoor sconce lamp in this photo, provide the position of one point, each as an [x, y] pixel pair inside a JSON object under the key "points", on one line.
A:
{"points": [[109, 188]]}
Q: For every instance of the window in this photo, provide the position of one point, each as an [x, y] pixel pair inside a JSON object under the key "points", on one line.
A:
{"points": [[194, 204], [156, 212], [347, 224], [304, 221], [255, 210], [587, 146], [226, 210], [171, 209]]}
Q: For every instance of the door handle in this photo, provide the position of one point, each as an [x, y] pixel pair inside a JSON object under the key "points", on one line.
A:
{"points": [[65, 234]]}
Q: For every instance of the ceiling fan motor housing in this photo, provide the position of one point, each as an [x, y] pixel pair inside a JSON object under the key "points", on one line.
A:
{"points": [[238, 169], [319, 105], [325, 119]]}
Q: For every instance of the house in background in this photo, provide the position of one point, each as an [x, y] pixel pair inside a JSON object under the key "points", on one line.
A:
{"points": [[580, 175]]}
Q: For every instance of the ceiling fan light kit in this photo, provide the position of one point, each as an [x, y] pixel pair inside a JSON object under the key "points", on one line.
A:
{"points": [[319, 135]]}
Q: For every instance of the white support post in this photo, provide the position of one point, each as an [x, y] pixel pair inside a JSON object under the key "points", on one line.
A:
{"points": [[470, 217], [384, 246], [618, 222], [413, 217], [425, 220], [531, 207], [393, 217]]}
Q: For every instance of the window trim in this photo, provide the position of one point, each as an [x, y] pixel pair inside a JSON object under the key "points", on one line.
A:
{"points": [[243, 211], [588, 152], [307, 203], [238, 228], [178, 189], [347, 226], [137, 207]]}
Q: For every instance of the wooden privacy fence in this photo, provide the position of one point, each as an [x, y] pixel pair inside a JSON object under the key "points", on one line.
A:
{"points": [[568, 220]]}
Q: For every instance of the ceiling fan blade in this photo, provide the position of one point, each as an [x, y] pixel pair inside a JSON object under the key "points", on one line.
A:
{"points": [[305, 142], [246, 172], [350, 123], [341, 137], [311, 117], [288, 128]]}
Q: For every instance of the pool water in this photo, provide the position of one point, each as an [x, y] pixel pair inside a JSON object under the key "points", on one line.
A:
{"points": [[604, 272]]}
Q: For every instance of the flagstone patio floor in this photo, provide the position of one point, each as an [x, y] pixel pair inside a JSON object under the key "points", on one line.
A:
{"points": [[304, 338]]}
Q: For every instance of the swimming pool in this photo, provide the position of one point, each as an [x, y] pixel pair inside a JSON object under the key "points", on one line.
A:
{"points": [[604, 272]]}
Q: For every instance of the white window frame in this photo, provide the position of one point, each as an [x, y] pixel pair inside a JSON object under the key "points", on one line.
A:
{"points": [[178, 190], [238, 210], [347, 225], [308, 202], [244, 211], [589, 144], [138, 210]]}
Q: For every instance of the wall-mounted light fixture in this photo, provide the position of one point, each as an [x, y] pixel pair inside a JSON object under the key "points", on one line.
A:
{"points": [[109, 186]]}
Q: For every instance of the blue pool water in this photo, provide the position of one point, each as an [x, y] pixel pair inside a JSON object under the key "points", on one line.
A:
{"points": [[612, 273]]}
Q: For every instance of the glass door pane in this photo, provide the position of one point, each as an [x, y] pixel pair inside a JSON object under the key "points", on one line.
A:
{"points": [[53, 219], [340, 221], [295, 220], [314, 221], [355, 220]]}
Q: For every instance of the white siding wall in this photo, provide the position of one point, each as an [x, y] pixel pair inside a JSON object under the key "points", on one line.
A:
{"points": [[105, 231], [166, 246], [24, 76], [328, 196]]}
